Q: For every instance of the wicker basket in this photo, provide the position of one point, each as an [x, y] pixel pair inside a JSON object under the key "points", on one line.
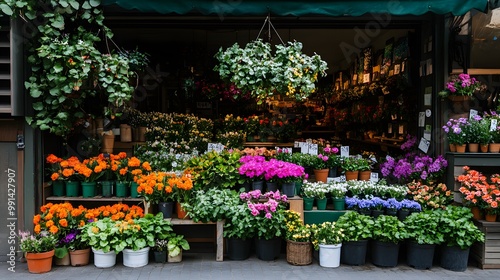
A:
{"points": [[298, 253]]}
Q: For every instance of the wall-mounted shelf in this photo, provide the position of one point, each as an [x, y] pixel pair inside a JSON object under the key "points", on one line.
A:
{"points": [[477, 71]]}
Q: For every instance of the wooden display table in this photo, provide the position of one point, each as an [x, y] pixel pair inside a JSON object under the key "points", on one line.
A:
{"points": [[219, 237]]}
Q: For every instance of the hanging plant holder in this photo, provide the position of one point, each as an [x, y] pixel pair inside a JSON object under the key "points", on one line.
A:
{"points": [[256, 69]]}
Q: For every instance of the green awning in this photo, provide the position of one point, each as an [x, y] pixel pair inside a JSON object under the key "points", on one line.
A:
{"points": [[300, 7]]}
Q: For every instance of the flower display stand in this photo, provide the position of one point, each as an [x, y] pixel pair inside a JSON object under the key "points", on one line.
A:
{"points": [[219, 227], [487, 254], [321, 216]]}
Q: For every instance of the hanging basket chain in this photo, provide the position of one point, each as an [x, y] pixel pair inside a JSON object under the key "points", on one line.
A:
{"points": [[268, 21]]}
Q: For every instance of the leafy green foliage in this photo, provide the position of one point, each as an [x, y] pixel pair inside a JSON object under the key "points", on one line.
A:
{"points": [[423, 227], [212, 205], [66, 67], [177, 243], [388, 229], [216, 170], [355, 226], [238, 223], [455, 223], [257, 70]]}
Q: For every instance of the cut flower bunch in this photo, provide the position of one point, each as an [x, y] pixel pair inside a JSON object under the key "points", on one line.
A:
{"points": [[479, 191]]}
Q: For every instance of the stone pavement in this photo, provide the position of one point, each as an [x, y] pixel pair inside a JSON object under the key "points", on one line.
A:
{"points": [[203, 266]]}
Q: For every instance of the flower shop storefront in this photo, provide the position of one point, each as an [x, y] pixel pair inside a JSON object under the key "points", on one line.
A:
{"points": [[159, 68]]}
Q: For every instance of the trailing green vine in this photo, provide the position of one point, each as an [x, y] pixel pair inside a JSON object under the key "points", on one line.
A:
{"points": [[67, 69]]}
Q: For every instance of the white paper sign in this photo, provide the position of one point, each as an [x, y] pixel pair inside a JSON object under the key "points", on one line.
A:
{"points": [[493, 125], [374, 177], [304, 147], [472, 114], [296, 144], [344, 151], [313, 149], [427, 135], [424, 145], [421, 119], [341, 178], [217, 147], [334, 179]]}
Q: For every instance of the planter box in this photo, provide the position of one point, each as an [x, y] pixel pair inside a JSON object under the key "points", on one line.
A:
{"points": [[487, 254], [320, 216]]}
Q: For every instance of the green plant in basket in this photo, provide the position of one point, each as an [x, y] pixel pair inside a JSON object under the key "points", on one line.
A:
{"points": [[356, 226], [423, 227], [176, 243], [326, 233], [388, 229]]}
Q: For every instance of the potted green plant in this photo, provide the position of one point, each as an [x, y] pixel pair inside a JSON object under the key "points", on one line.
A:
{"points": [[455, 224], [320, 168], [422, 232], [160, 250], [388, 232], [357, 229], [176, 244], [327, 238], [239, 232], [104, 237], [139, 235], [364, 169], [39, 250], [350, 166], [338, 191]]}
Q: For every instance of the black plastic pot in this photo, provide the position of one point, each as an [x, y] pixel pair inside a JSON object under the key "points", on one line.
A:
{"points": [[420, 256], [454, 258], [384, 254], [354, 252]]}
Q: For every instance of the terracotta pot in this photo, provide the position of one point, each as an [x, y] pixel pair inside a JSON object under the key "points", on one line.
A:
{"points": [[181, 213], [40, 262], [473, 147], [364, 175], [460, 148], [494, 147], [452, 148], [460, 104], [321, 175], [484, 148], [490, 217], [351, 175], [476, 213], [80, 257]]}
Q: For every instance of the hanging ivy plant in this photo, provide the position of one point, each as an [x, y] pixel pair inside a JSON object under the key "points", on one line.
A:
{"points": [[257, 70], [66, 66]]}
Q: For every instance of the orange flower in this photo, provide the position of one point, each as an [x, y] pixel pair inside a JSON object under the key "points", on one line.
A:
{"points": [[37, 229], [54, 176], [36, 219], [53, 159], [63, 222]]}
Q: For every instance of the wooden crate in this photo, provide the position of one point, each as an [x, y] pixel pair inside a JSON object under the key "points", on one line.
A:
{"points": [[487, 254]]}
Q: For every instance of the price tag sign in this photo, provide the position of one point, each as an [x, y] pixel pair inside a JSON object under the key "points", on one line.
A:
{"points": [[472, 114], [344, 151], [304, 147], [424, 145], [341, 178], [313, 149], [211, 147], [296, 144], [493, 125], [374, 177]]}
